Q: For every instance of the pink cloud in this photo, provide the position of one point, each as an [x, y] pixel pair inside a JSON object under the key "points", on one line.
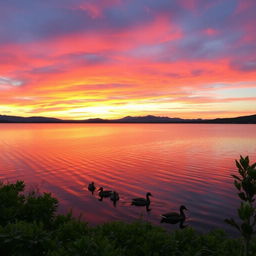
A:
{"points": [[95, 8], [210, 32]]}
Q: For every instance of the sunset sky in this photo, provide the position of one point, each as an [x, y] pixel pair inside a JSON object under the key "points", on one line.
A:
{"points": [[75, 59]]}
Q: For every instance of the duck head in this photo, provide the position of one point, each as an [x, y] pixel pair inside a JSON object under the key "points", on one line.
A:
{"points": [[148, 194], [182, 207], [100, 189]]}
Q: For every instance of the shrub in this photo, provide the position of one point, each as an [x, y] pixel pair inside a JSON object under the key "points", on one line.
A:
{"points": [[39, 208], [11, 201], [23, 238], [246, 186]]}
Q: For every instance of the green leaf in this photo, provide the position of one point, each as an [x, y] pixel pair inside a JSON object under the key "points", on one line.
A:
{"points": [[245, 211], [253, 165], [249, 188], [246, 229], [238, 165], [240, 169], [242, 196], [252, 173], [237, 185], [244, 162], [232, 223], [236, 177]]}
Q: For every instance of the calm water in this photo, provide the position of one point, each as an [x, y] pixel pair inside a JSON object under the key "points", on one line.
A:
{"points": [[186, 164]]}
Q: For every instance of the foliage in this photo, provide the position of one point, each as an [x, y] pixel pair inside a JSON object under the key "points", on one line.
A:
{"points": [[40, 208], [15, 205], [30, 226], [23, 238], [246, 186], [11, 201]]}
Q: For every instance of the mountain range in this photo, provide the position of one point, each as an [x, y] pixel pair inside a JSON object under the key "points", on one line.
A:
{"points": [[130, 119]]}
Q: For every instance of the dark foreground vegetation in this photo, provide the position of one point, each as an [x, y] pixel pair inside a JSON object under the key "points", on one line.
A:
{"points": [[30, 225]]}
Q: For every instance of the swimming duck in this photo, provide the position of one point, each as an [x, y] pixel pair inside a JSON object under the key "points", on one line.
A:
{"points": [[91, 187], [104, 193], [174, 217], [114, 196], [142, 201]]}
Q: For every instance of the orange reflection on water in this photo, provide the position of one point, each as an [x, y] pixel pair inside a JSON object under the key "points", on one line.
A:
{"points": [[186, 164]]}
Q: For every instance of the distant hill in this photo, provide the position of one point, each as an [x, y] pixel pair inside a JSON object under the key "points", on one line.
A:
{"points": [[34, 119], [130, 119], [155, 119], [235, 120], [148, 119]]}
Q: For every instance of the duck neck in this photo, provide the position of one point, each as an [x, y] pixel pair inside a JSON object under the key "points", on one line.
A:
{"points": [[182, 213], [148, 199]]}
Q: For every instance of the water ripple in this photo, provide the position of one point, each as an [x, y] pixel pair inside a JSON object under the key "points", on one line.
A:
{"points": [[178, 164]]}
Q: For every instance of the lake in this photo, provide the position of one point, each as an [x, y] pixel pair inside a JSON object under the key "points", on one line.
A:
{"points": [[187, 164]]}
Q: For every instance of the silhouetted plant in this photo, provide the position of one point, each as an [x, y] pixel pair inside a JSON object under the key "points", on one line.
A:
{"points": [[40, 208], [15, 205], [11, 201], [23, 238], [246, 185]]}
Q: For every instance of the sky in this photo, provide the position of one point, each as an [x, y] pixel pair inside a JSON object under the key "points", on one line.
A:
{"points": [[75, 59]]}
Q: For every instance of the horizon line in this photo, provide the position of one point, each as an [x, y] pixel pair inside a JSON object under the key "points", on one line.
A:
{"points": [[139, 116]]}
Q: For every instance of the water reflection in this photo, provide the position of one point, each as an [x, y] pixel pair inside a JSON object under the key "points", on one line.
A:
{"points": [[114, 197]]}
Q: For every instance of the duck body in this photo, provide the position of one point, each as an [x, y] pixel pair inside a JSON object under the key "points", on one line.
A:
{"points": [[91, 187], [174, 217], [142, 201], [104, 193], [114, 196]]}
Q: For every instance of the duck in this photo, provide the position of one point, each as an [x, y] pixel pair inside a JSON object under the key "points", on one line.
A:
{"points": [[91, 187], [104, 193], [142, 201], [114, 196], [174, 217]]}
